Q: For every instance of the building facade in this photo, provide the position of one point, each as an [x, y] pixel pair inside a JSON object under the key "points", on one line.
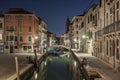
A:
{"points": [[51, 39], [98, 32], [109, 34], [75, 32], [21, 29], [1, 33], [42, 35]]}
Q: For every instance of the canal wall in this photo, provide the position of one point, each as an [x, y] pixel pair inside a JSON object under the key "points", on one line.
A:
{"points": [[8, 66]]}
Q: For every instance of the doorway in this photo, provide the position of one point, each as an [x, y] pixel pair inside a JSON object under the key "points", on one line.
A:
{"points": [[11, 49]]}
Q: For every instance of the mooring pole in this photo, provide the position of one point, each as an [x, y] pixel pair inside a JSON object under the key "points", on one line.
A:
{"points": [[35, 60], [17, 68]]}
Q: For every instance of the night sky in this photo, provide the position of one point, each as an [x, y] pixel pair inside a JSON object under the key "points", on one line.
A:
{"points": [[53, 12]]}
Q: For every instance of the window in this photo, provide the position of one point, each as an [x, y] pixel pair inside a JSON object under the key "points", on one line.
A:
{"points": [[30, 38], [76, 20], [30, 29], [16, 38], [90, 17], [25, 48], [12, 28], [100, 46], [29, 47], [7, 17], [76, 32], [107, 47], [113, 46], [16, 47], [1, 48], [6, 47], [117, 14], [98, 15], [7, 28], [20, 28], [21, 38], [7, 38], [93, 19], [11, 38], [117, 52], [111, 19], [82, 25], [19, 17], [106, 18], [30, 17], [117, 5], [0, 25], [77, 38]]}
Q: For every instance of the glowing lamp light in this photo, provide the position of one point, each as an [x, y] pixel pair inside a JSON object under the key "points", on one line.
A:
{"points": [[75, 39], [83, 36], [75, 63], [36, 37]]}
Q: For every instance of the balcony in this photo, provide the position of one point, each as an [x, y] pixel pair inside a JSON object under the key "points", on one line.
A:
{"points": [[118, 25], [112, 27], [11, 30]]}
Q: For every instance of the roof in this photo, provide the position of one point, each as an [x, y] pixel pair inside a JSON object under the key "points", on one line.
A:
{"points": [[18, 11]]}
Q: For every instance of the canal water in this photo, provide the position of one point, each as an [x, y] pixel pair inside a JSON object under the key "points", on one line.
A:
{"points": [[57, 68]]}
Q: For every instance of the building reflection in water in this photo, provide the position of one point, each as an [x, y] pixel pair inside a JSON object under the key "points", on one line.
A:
{"points": [[64, 68]]}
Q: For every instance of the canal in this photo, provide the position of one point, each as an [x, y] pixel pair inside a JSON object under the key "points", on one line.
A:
{"points": [[54, 68], [57, 67]]}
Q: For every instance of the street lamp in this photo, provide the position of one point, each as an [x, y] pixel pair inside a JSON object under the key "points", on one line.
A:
{"points": [[83, 36], [36, 37], [75, 39]]}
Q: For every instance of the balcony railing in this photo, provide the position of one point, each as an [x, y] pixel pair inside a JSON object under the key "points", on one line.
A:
{"points": [[112, 28], [118, 25], [11, 30]]}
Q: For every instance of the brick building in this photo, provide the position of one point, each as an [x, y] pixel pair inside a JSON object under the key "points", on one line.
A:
{"points": [[21, 29]]}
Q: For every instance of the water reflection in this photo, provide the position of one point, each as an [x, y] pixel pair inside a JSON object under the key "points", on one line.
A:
{"points": [[59, 68]]}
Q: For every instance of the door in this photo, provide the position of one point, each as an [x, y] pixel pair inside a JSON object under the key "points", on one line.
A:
{"points": [[11, 49]]}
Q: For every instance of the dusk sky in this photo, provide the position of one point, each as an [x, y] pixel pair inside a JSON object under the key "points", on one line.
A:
{"points": [[54, 12]]}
